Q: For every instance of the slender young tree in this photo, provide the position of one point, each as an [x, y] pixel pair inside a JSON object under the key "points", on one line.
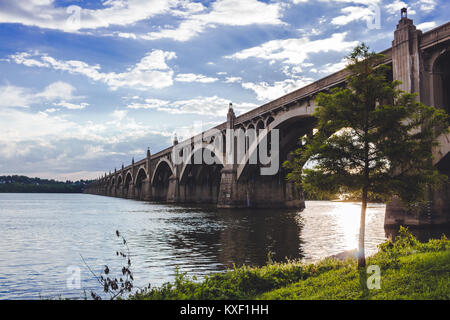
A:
{"points": [[371, 139]]}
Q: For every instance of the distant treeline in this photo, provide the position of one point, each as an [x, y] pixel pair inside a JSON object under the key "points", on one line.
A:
{"points": [[23, 184]]}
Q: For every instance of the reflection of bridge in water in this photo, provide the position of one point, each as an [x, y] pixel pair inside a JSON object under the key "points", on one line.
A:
{"points": [[421, 61]]}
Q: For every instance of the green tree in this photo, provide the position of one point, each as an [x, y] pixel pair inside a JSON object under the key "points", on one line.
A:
{"points": [[371, 139]]}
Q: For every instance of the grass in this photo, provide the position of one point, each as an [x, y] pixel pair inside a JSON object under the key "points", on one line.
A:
{"points": [[418, 276], [409, 270]]}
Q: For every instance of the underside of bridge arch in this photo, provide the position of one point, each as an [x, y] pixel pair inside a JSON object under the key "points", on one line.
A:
{"points": [[257, 190], [441, 81], [142, 190], [160, 182], [200, 183], [119, 186], [112, 188], [128, 188]]}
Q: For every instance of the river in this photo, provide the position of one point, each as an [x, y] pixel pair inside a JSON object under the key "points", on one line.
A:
{"points": [[44, 236]]}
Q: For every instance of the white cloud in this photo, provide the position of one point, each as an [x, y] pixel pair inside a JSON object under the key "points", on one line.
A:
{"points": [[353, 14], [191, 77], [151, 71], [32, 143], [13, 96], [15, 127], [294, 71], [426, 26], [58, 90], [46, 14], [223, 12], [119, 127], [426, 5], [312, 31], [331, 67], [71, 106], [266, 92], [149, 104], [211, 106], [366, 2], [295, 51], [233, 79], [395, 7]]}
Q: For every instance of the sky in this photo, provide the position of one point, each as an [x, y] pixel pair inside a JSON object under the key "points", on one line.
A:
{"points": [[87, 85]]}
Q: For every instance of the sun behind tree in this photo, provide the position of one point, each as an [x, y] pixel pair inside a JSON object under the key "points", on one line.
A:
{"points": [[372, 139]]}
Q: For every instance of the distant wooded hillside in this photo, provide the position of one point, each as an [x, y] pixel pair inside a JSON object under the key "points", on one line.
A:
{"points": [[23, 184]]}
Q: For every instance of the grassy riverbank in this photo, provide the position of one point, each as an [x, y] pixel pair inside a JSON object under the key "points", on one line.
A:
{"points": [[409, 270]]}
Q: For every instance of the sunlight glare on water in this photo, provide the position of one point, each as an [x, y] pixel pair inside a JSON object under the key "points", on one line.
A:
{"points": [[44, 235], [332, 227]]}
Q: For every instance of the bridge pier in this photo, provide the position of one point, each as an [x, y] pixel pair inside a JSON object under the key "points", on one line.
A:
{"points": [[420, 61], [173, 192], [416, 68], [229, 193], [131, 192], [146, 190], [258, 192], [435, 213]]}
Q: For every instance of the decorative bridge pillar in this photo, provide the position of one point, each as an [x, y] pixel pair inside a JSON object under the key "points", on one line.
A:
{"points": [[173, 191], [147, 183], [408, 64], [406, 57], [229, 195]]}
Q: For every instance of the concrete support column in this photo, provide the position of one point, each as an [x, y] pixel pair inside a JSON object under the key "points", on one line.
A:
{"points": [[173, 191], [131, 192], [146, 190], [407, 64], [294, 197], [229, 195], [434, 213]]}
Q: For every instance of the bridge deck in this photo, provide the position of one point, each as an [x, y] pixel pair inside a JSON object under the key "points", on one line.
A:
{"points": [[429, 38]]}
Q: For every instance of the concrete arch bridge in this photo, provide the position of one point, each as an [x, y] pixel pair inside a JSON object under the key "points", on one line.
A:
{"points": [[421, 61]]}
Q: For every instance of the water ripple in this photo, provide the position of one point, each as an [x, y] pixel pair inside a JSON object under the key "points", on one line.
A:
{"points": [[44, 234]]}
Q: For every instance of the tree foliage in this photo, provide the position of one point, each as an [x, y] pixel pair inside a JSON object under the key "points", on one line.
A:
{"points": [[370, 135], [372, 138]]}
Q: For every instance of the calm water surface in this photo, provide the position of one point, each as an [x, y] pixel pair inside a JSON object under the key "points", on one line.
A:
{"points": [[43, 237]]}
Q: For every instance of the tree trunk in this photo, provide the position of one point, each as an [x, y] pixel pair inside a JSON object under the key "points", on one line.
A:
{"points": [[362, 230]]}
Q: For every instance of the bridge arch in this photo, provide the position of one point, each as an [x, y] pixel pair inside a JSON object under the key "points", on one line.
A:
{"points": [[161, 163], [141, 177], [441, 80], [126, 185], [201, 182], [260, 125], [218, 157], [287, 139], [112, 187], [160, 179]]}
